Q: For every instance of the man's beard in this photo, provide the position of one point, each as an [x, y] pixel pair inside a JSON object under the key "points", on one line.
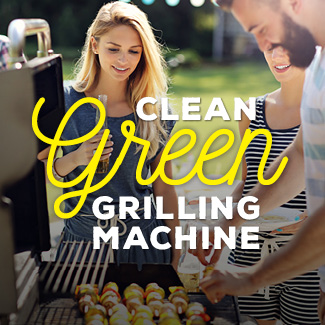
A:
{"points": [[299, 43]]}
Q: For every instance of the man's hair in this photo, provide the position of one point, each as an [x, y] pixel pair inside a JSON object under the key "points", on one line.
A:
{"points": [[224, 4], [227, 4]]}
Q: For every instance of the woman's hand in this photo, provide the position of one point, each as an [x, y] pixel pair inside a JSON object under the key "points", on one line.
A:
{"points": [[86, 151], [292, 229]]}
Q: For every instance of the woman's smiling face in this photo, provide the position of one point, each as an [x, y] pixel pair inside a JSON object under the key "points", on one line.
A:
{"points": [[279, 64], [119, 52]]}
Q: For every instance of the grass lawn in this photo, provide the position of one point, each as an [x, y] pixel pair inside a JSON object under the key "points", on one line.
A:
{"points": [[242, 80]]}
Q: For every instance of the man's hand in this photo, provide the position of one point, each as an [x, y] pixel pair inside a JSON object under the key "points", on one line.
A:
{"points": [[292, 229], [234, 281]]}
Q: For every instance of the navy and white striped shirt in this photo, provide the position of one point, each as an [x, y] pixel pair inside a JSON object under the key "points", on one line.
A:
{"points": [[280, 141]]}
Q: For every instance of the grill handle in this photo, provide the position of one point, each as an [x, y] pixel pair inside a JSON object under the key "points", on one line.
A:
{"points": [[18, 30]]}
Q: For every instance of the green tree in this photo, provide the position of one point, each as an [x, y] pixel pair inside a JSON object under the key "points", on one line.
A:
{"points": [[179, 27]]}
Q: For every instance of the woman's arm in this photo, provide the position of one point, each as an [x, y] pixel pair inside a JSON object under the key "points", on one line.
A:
{"points": [[82, 156], [170, 204]]}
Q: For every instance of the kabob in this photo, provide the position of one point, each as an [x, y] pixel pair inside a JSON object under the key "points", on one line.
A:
{"points": [[120, 315], [154, 297], [196, 315], [168, 315], [143, 316], [96, 315], [179, 298], [133, 311], [110, 296], [87, 296], [133, 297]]}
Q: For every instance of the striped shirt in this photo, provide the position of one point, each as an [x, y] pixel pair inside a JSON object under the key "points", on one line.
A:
{"points": [[293, 301], [313, 122], [4, 52], [281, 138]]}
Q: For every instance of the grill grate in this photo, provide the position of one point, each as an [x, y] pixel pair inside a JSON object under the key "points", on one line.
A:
{"points": [[87, 266], [79, 263], [61, 311]]}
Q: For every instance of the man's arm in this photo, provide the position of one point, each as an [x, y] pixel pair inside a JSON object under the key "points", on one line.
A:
{"points": [[303, 253]]}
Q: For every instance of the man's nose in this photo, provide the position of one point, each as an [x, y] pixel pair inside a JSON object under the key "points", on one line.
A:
{"points": [[278, 52], [263, 43]]}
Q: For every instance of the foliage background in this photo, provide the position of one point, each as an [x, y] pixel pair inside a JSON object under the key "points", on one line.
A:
{"points": [[183, 26]]}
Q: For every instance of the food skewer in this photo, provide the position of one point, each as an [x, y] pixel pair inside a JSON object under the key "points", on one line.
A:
{"points": [[133, 311], [154, 297], [168, 315], [120, 315], [87, 296], [143, 315], [110, 296], [195, 314], [179, 298], [95, 315], [134, 297]]}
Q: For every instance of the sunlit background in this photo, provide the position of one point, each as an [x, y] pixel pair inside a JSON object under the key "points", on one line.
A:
{"points": [[208, 55]]}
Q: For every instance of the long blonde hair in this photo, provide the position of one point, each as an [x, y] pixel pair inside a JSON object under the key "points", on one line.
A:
{"points": [[149, 78]]}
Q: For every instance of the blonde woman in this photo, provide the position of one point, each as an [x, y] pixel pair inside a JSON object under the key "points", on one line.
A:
{"points": [[120, 59]]}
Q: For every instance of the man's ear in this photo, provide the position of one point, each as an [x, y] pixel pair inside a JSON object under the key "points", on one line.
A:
{"points": [[294, 6], [94, 44]]}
